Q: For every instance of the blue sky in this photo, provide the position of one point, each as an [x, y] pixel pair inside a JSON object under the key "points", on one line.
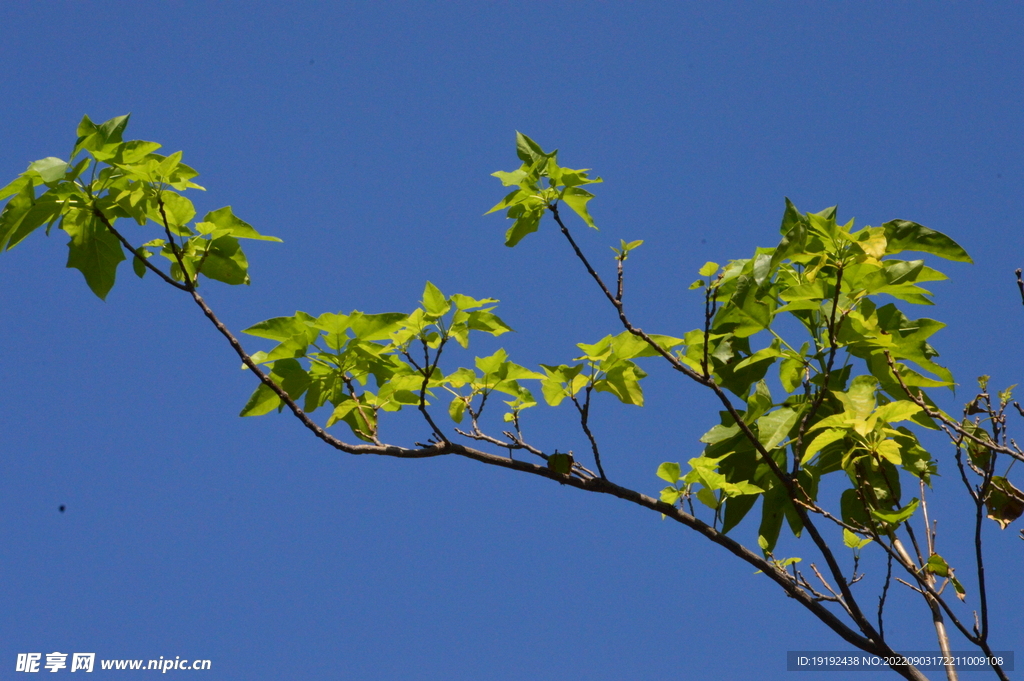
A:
{"points": [[364, 135]]}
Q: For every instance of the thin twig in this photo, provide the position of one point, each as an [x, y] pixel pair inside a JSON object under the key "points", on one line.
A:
{"points": [[881, 599], [584, 411], [945, 420], [145, 261], [833, 331]]}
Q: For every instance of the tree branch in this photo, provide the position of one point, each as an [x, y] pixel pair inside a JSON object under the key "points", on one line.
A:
{"points": [[145, 261], [639, 333], [584, 411], [950, 423], [792, 489]]}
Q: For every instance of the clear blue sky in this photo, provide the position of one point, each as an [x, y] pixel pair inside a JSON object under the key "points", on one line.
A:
{"points": [[364, 135]]}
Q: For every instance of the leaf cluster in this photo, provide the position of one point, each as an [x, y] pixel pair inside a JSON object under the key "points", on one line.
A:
{"points": [[541, 183], [107, 179]]}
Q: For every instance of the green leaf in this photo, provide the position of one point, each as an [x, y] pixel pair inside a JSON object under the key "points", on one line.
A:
{"points": [[822, 440], [491, 365], [773, 511], [224, 220], [577, 199], [373, 327], [334, 327], [281, 328], [24, 214], [720, 433], [51, 169], [903, 235], [670, 495], [898, 516], [456, 409], [138, 265], [708, 498], [262, 401], [561, 381], [482, 320], [623, 381], [853, 509], [526, 222], [16, 186], [434, 301], [859, 400], [853, 541], [771, 352], [900, 410], [132, 152], [93, 250], [513, 198], [669, 472], [791, 374], [574, 178], [708, 269], [463, 302], [560, 463], [224, 261], [102, 140], [292, 378], [937, 565], [510, 179], [528, 150], [736, 508], [774, 427], [178, 210]]}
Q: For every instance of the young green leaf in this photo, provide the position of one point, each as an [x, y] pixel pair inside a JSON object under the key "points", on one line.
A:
{"points": [[577, 199], [902, 235], [434, 301], [94, 251], [853, 541], [708, 269], [898, 516], [669, 472]]}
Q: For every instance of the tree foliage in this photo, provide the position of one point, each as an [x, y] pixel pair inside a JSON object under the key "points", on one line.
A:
{"points": [[810, 348]]}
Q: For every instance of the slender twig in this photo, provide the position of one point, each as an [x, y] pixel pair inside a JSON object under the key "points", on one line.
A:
{"points": [[639, 333], [945, 420], [428, 371], [798, 449], [898, 552], [929, 533], [360, 407], [838, 599], [584, 411], [710, 303], [963, 473], [881, 599], [980, 561], [175, 249], [909, 585], [619, 277], [145, 261]]}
